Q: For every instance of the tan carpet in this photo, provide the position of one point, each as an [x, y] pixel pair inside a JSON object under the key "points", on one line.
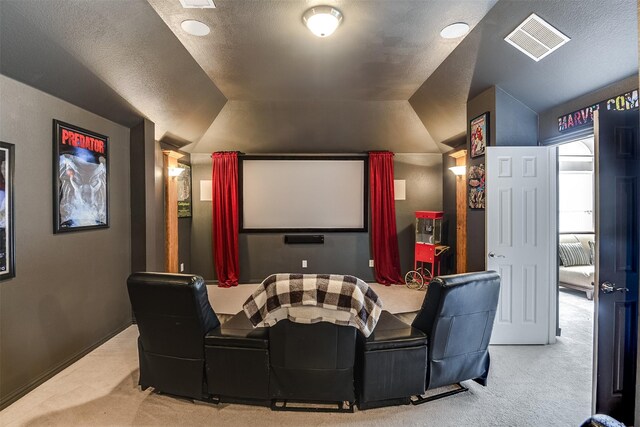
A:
{"points": [[528, 386]]}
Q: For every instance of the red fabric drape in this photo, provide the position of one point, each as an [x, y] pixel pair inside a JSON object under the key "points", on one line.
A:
{"points": [[224, 187], [384, 234]]}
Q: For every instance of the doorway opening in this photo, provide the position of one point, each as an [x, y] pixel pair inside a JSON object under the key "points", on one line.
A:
{"points": [[576, 250]]}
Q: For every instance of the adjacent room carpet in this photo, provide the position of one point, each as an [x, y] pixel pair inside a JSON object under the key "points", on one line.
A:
{"points": [[528, 386]]}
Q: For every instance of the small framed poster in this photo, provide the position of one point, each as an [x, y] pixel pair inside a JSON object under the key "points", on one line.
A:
{"points": [[7, 222], [80, 179], [183, 184], [479, 132], [477, 187]]}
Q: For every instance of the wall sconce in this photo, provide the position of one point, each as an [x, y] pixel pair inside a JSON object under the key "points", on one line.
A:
{"points": [[175, 171], [458, 170]]}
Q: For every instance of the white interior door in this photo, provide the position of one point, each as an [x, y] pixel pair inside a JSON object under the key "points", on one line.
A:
{"points": [[521, 224]]}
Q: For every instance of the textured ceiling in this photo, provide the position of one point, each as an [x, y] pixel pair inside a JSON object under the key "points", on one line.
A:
{"points": [[261, 51], [603, 49], [291, 91], [317, 127], [115, 58]]}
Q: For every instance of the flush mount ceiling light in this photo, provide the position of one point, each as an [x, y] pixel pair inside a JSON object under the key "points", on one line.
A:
{"points": [[195, 28], [455, 30], [198, 4], [322, 20], [536, 38]]}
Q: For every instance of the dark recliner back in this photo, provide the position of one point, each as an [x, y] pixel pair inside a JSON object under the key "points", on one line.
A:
{"points": [[173, 315], [312, 362], [457, 315]]}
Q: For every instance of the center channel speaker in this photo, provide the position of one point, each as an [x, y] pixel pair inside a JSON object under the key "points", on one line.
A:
{"points": [[293, 239]]}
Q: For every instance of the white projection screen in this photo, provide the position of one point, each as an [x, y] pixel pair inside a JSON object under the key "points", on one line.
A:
{"points": [[303, 194]]}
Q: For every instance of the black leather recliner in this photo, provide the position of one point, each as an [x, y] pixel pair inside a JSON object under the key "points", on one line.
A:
{"points": [[173, 315], [446, 343], [183, 349], [457, 316]]}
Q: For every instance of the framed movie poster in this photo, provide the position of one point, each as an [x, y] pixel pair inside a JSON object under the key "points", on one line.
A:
{"points": [[476, 187], [80, 179], [7, 226], [183, 184], [479, 131]]}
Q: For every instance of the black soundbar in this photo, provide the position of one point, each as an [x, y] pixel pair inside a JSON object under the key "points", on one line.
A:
{"points": [[303, 238]]}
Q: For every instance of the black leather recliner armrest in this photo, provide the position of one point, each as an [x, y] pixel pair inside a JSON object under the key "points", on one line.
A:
{"points": [[238, 332], [391, 332]]}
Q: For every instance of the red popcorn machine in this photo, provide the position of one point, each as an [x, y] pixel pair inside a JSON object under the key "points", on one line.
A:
{"points": [[428, 250]]}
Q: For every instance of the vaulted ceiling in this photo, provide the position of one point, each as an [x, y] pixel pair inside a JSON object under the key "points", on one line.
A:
{"points": [[261, 82]]}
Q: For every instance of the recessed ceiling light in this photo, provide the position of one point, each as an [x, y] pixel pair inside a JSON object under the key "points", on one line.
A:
{"points": [[198, 4], [454, 31], [322, 20], [195, 28]]}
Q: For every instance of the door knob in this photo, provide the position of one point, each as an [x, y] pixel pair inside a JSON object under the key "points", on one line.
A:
{"points": [[608, 287], [493, 255]]}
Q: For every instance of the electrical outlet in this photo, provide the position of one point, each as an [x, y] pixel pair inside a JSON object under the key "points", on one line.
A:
{"points": [[370, 263], [304, 263], [181, 267]]}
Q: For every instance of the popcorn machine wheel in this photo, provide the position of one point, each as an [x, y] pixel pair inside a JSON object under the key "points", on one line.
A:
{"points": [[428, 249]]}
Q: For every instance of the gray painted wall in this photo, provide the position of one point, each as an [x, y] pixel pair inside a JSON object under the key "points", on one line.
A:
{"points": [[549, 118], [147, 198], [262, 254], [184, 243], [201, 251], [511, 124], [516, 124], [69, 294], [423, 173], [486, 101]]}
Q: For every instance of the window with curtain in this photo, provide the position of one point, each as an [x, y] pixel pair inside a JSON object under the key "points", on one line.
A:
{"points": [[576, 187]]}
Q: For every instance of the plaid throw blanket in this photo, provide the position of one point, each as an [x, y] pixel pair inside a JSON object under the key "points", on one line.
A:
{"points": [[312, 298]]}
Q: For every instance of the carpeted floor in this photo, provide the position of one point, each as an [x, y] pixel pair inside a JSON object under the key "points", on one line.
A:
{"points": [[528, 386]]}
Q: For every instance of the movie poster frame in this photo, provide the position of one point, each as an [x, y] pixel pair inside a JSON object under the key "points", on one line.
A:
{"points": [[483, 188], [57, 140], [10, 219], [486, 126], [187, 170]]}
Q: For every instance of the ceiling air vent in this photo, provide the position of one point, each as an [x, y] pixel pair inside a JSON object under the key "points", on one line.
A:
{"points": [[536, 38], [197, 4]]}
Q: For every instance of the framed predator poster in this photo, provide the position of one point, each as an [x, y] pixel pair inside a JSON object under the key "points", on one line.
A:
{"points": [[80, 179]]}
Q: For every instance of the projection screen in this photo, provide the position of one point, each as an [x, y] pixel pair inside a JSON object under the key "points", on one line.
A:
{"points": [[303, 194]]}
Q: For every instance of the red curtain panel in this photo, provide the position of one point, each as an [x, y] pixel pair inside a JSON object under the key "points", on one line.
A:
{"points": [[384, 234], [225, 217]]}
